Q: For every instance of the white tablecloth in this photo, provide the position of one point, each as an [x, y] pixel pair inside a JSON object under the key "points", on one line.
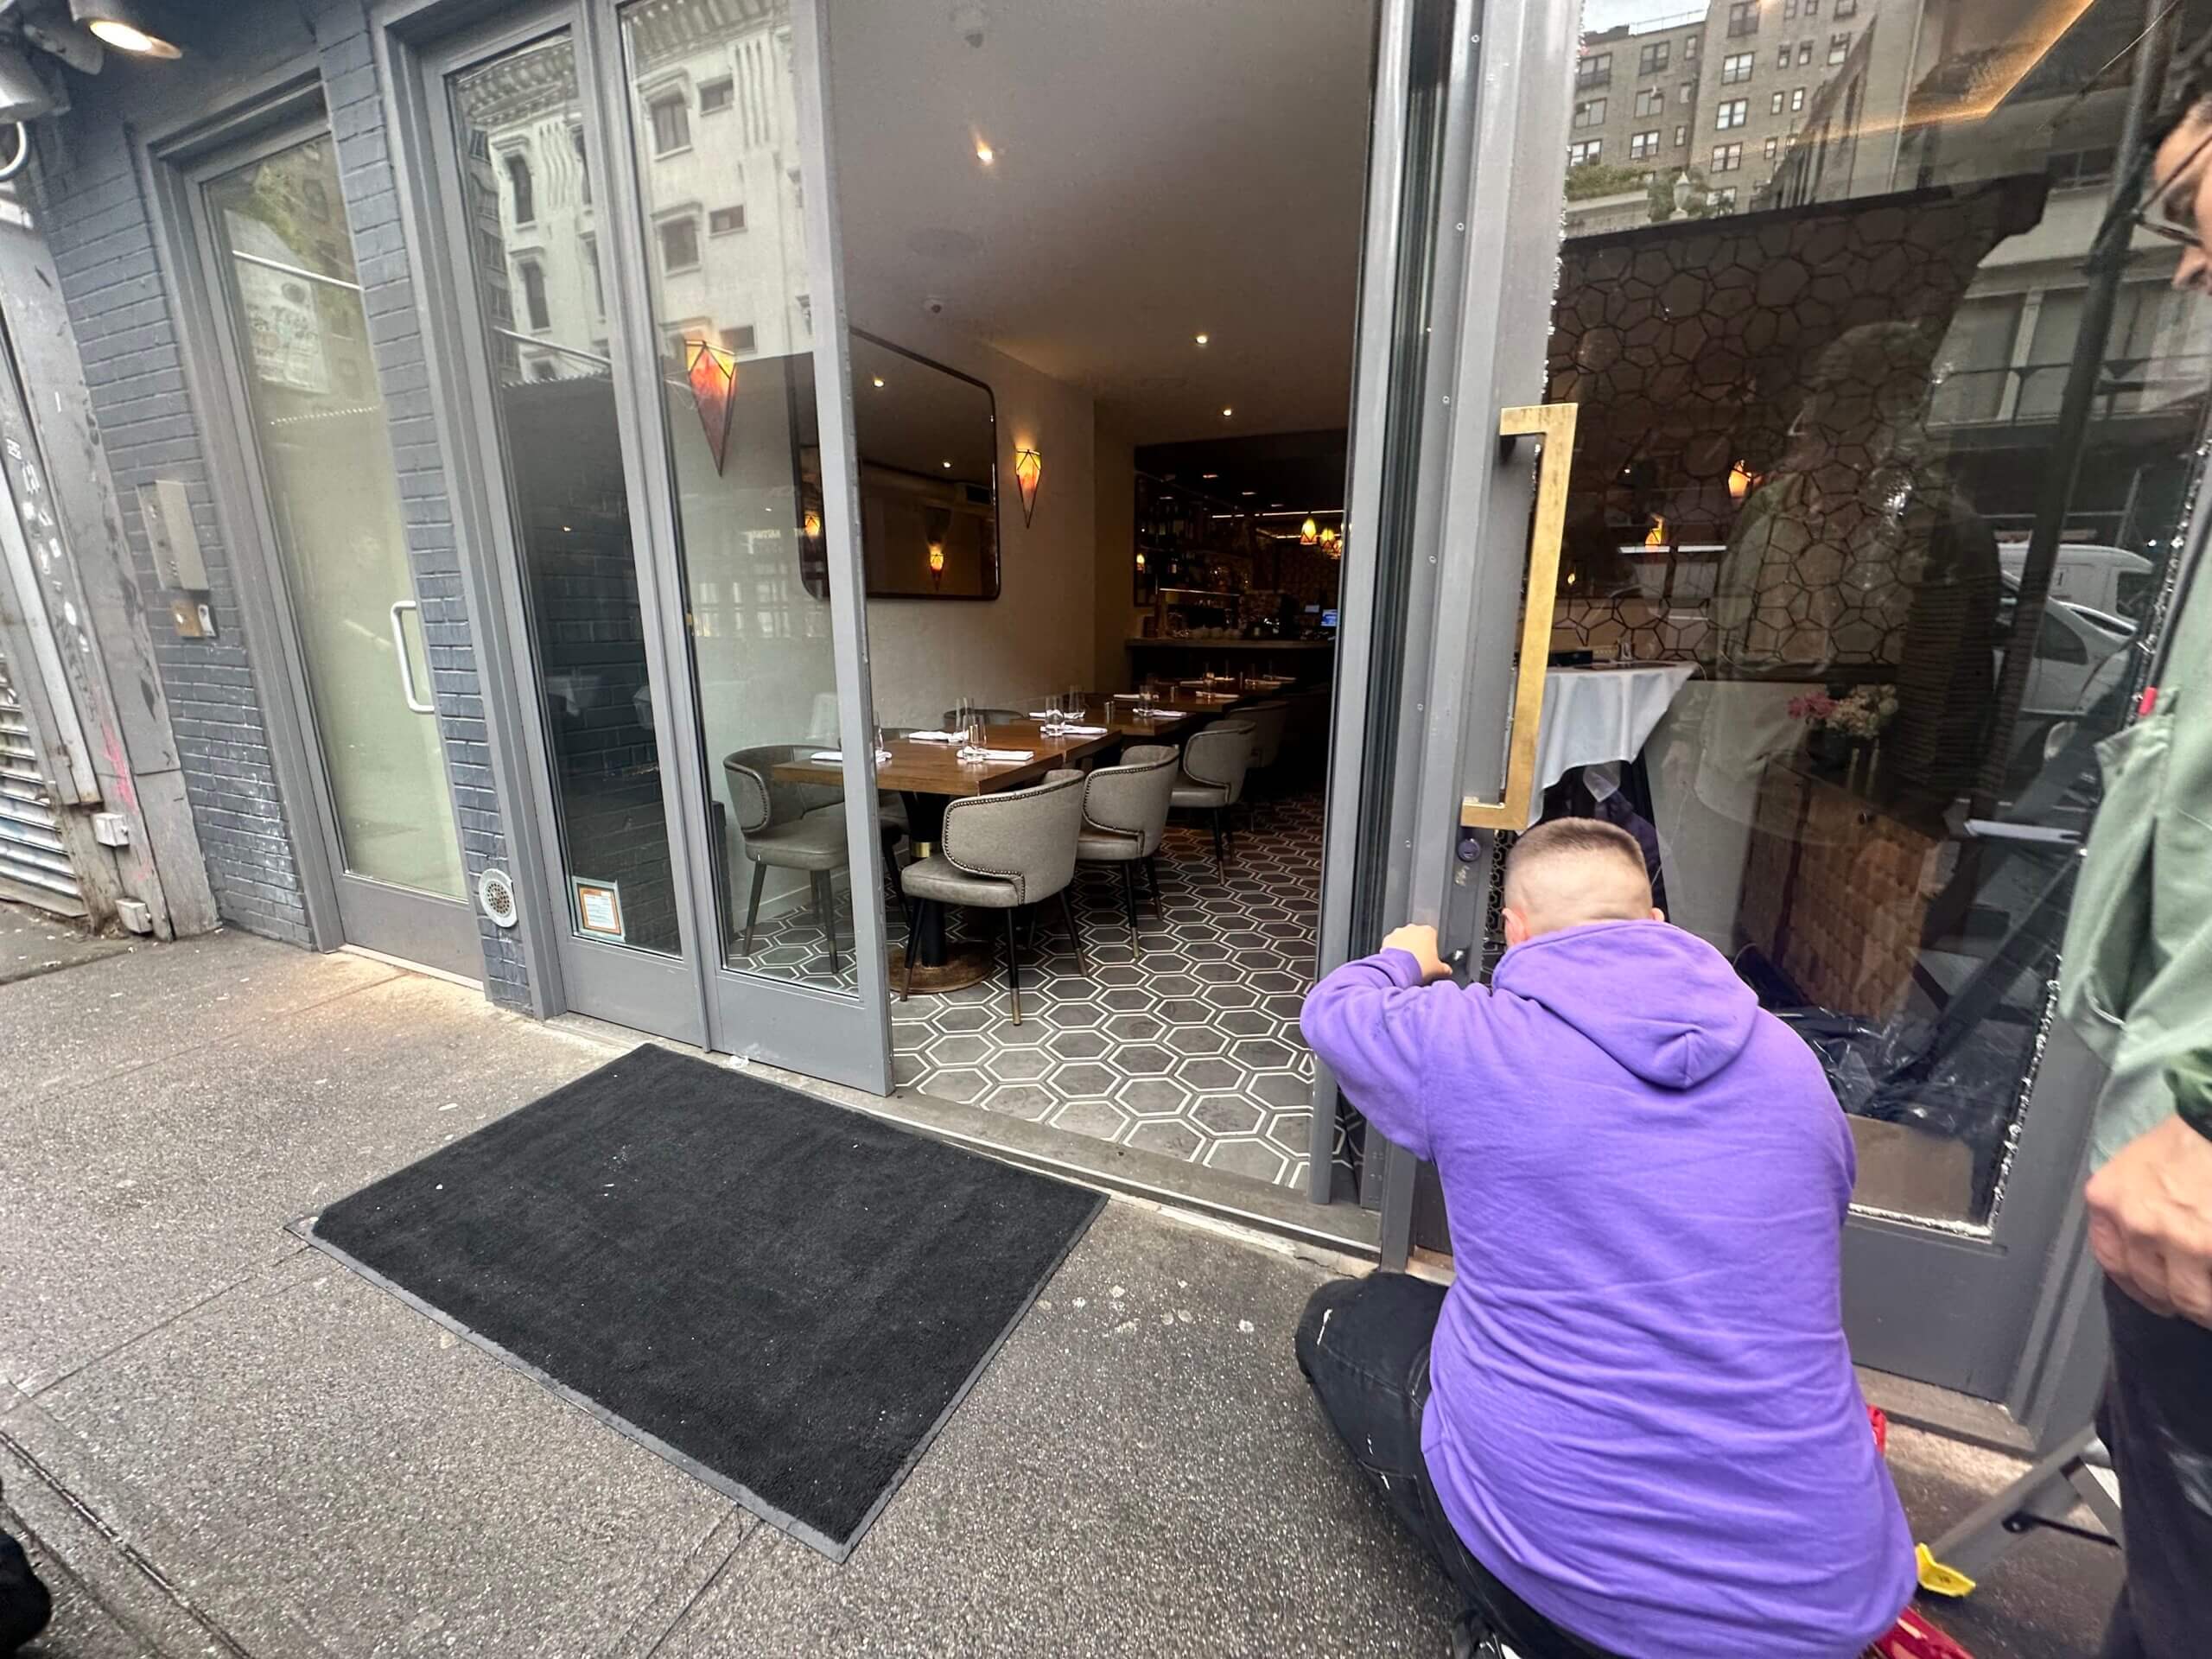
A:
{"points": [[1599, 714]]}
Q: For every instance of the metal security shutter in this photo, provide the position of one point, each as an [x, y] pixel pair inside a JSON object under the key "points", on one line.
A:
{"points": [[32, 865]]}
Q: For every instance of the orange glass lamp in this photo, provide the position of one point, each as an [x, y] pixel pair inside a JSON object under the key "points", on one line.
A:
{"points": [[1332, 543], [1309, 534], [812, 525], [1028, 473], [937, 563], [1742, 481], [713, 375]]}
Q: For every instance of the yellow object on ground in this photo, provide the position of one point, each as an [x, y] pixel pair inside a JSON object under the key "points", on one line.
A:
{"points": [[1938, 1579]]}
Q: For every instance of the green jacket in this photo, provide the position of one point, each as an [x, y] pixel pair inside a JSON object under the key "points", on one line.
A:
{"points": [[2136, 975]]}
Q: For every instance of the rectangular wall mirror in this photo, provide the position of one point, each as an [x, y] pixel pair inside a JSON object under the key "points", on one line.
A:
{"points": [[928, 441]]}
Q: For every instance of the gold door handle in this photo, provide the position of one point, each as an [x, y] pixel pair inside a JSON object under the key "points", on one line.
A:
{"points": [[1554, 424]]}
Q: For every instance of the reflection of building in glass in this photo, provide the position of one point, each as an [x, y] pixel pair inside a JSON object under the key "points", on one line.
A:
{"points": [[1821, 354], [726, 251], [718, 151]]}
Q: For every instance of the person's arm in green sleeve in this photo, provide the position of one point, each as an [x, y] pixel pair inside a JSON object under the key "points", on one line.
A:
{"points": [[2150, 1207]]}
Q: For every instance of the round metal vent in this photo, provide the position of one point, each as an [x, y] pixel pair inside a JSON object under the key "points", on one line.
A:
{"points": [[496, 894]]}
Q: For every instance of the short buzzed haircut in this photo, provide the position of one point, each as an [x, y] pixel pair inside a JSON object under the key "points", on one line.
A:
{"points": [[1562, 838]]}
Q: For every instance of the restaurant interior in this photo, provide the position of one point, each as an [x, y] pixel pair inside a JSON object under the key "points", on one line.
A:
{"points": [[1100, 296], [1100, 267]]}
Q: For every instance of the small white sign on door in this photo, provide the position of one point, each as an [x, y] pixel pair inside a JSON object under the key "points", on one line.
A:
{"points": [[598, 908]]}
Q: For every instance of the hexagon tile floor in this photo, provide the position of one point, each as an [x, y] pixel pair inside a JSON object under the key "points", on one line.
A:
{"points": [[1188, 1048]]}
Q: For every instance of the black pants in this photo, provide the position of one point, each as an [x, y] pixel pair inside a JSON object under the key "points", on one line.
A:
{"points": [[1363, 1345], [2157, 1421]]}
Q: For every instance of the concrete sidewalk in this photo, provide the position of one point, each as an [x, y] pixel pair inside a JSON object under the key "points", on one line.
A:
{"points": [[235, 1447]]}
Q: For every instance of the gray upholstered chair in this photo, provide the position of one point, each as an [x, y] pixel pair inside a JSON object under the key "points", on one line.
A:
{"points": [[1005, 852], [780, 827], [1268, 722], [989, 716], [1214, 764], [1124, 816]]}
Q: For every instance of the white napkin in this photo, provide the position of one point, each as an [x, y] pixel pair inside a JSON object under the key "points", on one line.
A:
{"points": [[1083, 731], [1165, 714], [1006, 754], [936, 737], [1129, 696]]}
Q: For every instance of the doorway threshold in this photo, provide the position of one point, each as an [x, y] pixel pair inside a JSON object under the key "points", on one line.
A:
{"points": [[1342, 1229]]}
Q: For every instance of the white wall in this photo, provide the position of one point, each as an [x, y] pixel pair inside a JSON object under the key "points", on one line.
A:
{"points": [[1038, 634], [1117, 617]]}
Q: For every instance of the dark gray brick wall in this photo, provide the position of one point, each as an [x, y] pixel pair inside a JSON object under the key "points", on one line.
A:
{"points": [[101, 234], [102, 240]]}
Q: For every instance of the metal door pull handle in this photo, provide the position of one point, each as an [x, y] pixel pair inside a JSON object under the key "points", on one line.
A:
{"points": [[406, 668], [1554, 424]]}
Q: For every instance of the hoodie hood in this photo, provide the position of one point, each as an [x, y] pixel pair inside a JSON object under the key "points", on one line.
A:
{"points": [[1661, 1002]]}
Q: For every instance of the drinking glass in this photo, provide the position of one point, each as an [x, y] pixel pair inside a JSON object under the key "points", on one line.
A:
{"points": [[1054, 720]]}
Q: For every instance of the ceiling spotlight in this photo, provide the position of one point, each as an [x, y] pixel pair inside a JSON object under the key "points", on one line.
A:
{"points": [[122, 25], [1201, 339], [1209, 475], [1226, 412], [984, 153], [1248, 492], [877, 379], [947, 466]]}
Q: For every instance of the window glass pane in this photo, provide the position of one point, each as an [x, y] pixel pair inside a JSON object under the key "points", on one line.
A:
{"points": [[325, 453], [738, 405], [553, 401], [1819, 374]]}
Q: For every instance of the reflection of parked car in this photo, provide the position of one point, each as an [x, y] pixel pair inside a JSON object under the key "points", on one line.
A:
{"points": [[2108, 579], [2079, 660]]}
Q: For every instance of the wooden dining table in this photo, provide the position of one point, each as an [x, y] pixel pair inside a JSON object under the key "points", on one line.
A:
{"points": [[931, 775]]}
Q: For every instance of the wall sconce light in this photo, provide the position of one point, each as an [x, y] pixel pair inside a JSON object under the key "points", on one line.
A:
{"points": [[1028, 473], [125, 26], [713, 375], [811, 525], [937, 563], [1140, 558], [1742, 481], [1309, 534]]}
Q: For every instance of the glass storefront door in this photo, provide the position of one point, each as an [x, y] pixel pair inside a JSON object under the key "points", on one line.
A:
{"points": [[646, 365], [279, 256], [1886, 420]]}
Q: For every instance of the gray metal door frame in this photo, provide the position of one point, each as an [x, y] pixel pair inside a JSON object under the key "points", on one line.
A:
{"points": [[691, 997], [341, 906], [1947, 1307]]}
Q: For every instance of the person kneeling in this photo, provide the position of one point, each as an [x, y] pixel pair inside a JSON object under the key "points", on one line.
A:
{"points": [[1630, 1427]]}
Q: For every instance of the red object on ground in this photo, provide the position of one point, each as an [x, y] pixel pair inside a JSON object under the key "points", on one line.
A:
{"points": [[1913, 1636]]}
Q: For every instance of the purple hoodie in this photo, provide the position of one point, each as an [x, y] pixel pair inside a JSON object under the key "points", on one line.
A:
{"points": [[1644, 1418]]}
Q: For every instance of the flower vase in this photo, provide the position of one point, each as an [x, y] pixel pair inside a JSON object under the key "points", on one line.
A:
{"points": [[1828, 749]]}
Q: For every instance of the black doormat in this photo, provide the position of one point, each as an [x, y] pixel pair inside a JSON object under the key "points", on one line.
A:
{"points": [[786, 1298]]}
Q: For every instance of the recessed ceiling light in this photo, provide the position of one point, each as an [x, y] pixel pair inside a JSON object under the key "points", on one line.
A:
{"points": [[1201, 339], [984, 153], [1209, 475], [947, 466], [1274, 504], [877, 379], [1226, 412], [1248, 492]]}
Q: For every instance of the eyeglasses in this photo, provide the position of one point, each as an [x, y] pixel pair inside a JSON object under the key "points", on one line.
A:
{"points": [[2153, 214]]}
